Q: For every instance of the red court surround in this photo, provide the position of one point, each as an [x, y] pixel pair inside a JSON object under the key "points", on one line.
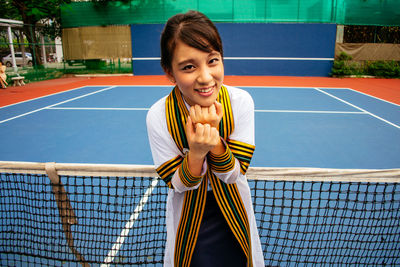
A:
{"points": [[387, 89]]}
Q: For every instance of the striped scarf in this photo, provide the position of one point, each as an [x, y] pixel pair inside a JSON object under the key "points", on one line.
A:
{"points": [[227, 195]]}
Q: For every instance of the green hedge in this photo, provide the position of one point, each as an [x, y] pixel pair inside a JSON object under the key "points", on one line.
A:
{"points": [[344, 66], [89, 67], [387, 69], [95, 64]]}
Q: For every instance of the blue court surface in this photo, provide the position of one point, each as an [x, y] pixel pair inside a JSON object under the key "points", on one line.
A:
{"points": [[295, 127]]}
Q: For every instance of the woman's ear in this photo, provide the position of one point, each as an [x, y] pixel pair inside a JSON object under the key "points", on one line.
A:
{"points": [[170, 76]]}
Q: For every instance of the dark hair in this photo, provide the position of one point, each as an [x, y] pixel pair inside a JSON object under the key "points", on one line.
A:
{"points": [[192, 28]]}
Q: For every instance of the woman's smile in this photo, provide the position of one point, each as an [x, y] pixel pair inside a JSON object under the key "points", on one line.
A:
{"points": [[206, 91]]}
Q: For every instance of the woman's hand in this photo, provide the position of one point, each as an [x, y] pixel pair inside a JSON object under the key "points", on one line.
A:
{"points": [[211, 115], [202, 134], [201, 138]]}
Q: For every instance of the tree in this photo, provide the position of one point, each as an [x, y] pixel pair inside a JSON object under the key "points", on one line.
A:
{"points": [[31, 12]]}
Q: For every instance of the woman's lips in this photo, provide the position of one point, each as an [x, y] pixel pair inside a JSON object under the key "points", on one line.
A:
{"points": [[205, 91]]}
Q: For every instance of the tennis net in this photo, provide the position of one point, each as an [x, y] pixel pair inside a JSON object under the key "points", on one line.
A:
{"points": [[106, 215]]}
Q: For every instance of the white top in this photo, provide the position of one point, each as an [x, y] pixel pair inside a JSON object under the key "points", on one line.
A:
{"points": [[163, 148]]}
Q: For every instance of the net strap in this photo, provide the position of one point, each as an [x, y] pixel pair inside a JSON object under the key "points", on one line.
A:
{"points": [[253, 173], [67, 214]]}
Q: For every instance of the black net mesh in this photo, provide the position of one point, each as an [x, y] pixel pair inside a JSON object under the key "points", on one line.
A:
{"points": [[121, 221]]}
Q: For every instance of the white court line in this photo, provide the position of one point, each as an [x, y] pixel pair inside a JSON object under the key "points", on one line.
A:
{"points": [[279, 58], [374, 97], [257, 110], [287, 87], [251, 58], [357, 107], [309, 111], [66, 91], [79, 108], [129, 224], [59, 103]]}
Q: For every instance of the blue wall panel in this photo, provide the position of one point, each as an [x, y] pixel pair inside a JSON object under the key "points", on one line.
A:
{"points": [[273, 49], [147, 67], [278, 40], [278, 68], [146, 44]]}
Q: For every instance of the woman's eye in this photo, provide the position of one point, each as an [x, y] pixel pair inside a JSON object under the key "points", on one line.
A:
{"points": [[214, 60], [188, 67]]}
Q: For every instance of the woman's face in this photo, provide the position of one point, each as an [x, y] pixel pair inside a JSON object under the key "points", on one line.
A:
{"points": [[198, 75]]}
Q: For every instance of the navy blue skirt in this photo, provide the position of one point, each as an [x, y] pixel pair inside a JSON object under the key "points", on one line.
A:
{"points": [[216, 245]]}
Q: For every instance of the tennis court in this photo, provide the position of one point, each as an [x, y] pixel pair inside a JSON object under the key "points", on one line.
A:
{"points": [[118, 217], [295, 127]]}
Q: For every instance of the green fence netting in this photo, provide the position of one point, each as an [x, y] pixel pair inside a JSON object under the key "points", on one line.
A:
{"points": [[347, 12]]}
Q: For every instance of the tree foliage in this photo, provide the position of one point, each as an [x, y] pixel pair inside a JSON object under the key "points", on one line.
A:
{"points": [[371, 34], [32, 13]]}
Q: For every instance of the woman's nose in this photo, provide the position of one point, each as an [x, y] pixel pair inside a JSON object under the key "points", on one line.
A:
{"points": [[204, 75]]}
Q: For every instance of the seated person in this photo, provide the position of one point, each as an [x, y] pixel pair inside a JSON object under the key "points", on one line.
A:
{"points": [[3, 76]]}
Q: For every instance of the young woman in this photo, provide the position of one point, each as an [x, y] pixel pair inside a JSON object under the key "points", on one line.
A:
{"points": [[202, 140]]}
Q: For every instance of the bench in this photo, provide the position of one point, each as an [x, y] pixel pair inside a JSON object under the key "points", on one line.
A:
{"points": [[18, 81]]}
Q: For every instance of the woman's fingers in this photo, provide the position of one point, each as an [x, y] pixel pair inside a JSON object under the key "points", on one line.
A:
{"points": [[207, 115], [218, 109], [201, 137]]}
